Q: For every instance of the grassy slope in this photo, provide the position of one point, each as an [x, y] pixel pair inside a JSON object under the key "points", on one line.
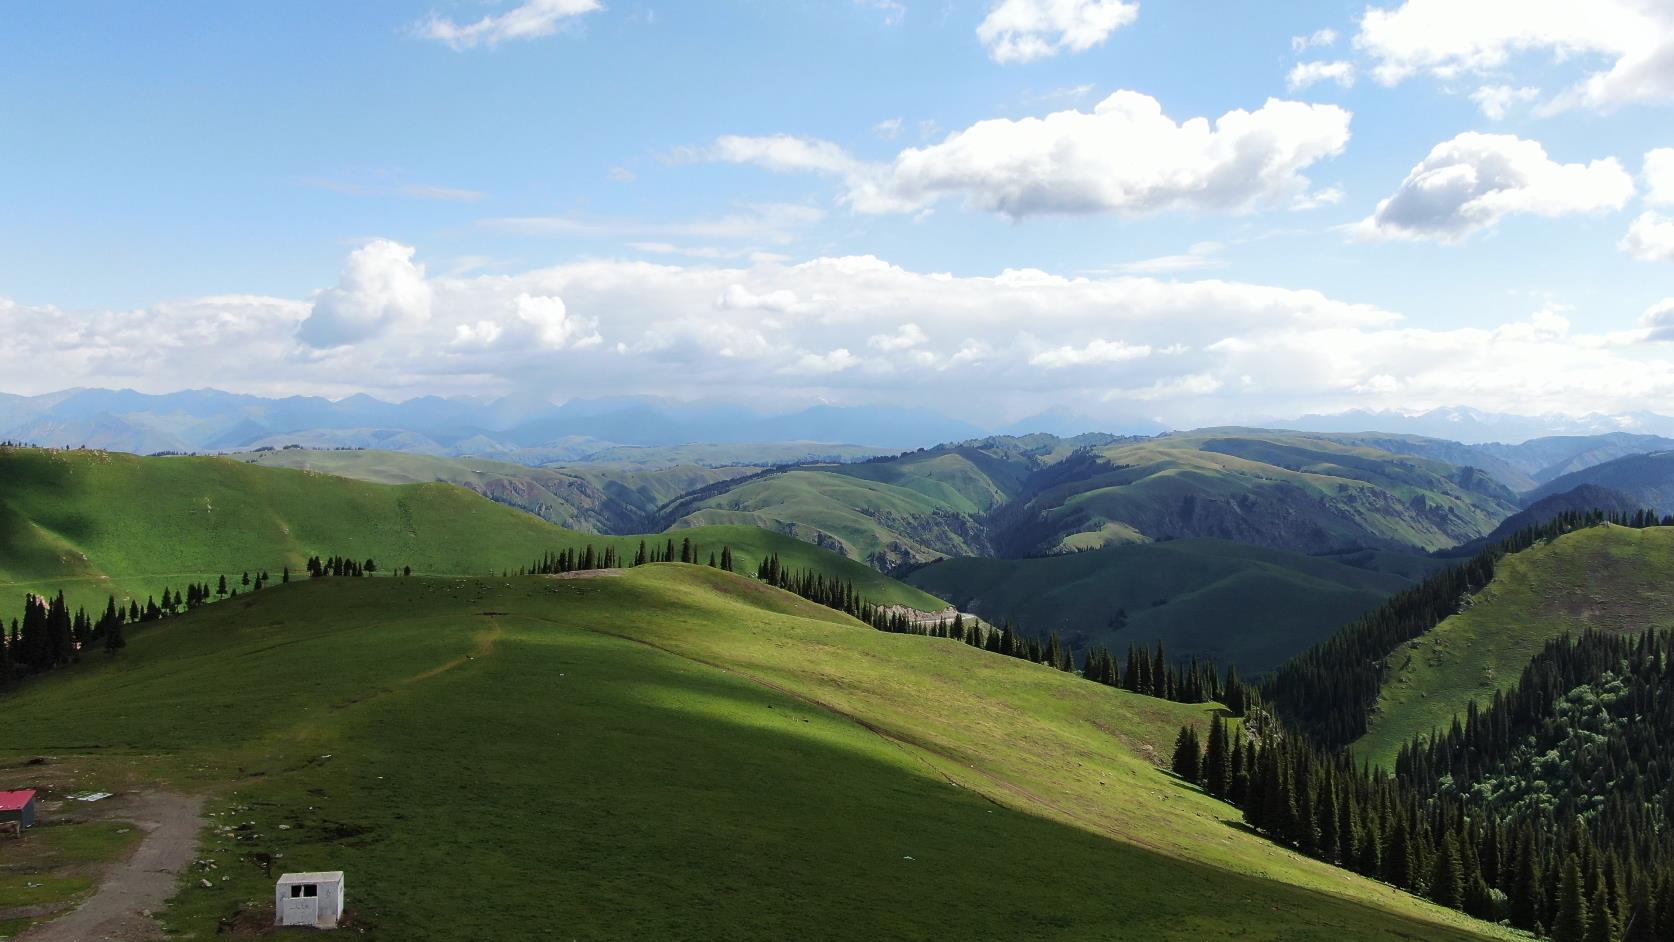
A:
{"points": [[674, 753], [916, 508], [92, 523], [1281, 489], [1185, 592], [591, 500], [1606, 578]]}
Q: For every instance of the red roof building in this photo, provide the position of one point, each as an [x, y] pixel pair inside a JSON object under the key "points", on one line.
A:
{"points": [[18, 806]]}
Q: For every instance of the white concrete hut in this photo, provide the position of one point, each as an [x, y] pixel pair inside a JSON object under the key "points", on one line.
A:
{"points": [[309, 899]]}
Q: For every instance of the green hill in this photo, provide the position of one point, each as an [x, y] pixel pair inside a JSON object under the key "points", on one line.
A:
{"points": [[91, 523], [915, 507], [674, 752], [1607, 578], [591, 500], [1235, 603], [1284, 490]]}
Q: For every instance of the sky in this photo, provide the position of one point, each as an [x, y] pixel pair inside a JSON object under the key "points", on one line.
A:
{"points": [[1194, 212]]}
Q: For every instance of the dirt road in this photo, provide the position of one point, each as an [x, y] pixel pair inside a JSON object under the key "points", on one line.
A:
{"points": [[116, 912]]}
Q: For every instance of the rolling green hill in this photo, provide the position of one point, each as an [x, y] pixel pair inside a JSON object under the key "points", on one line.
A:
{"points": [[1607, 578], [1284, 490], [92, 523], [912, 508], [591, 500], [1235, 603], [674, 752]]}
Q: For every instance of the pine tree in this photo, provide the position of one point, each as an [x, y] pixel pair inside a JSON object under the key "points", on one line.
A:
{"points": [[114, 641], [221, 589], [1571, 922], [1601, 920], [1188, 757], [1217, 761], [1447, 881]]}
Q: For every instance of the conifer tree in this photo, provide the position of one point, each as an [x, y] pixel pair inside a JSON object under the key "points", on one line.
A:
{"points": [[1217, 760], [1447, 882], [1188, 756], [1571, 921]]}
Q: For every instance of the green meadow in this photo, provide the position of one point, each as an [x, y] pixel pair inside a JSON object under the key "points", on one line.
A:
{"points": [[95, 523], [672, 753]]}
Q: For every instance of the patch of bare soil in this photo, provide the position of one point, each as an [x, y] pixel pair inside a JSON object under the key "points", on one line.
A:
{"points": [[119, 911]]}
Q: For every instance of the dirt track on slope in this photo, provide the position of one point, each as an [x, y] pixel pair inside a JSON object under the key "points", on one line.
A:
{"points": [[134, 887]]}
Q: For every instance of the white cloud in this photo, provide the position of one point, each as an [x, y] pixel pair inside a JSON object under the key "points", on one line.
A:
{"points": [[1659, 177], [1319, 38], [1026, 30], [528, 20], [380, 287], [1447, 38], [888, 129], [622, 175], [1125, 156], [1650, 238], [1496, 101], [1200, 255], [909, 336], [1658, 321], [1304, 74], [847, 329], [1094, 352], [1471, 182]]}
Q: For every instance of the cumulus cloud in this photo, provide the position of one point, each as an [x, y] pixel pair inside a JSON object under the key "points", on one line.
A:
{"points": [[1446, 38], [1026, 30], [1650, 238], [1304, 74], [845, 329], [528, 20], [1496, 101], [1125, 156], [380, 287], [1471, 182]]}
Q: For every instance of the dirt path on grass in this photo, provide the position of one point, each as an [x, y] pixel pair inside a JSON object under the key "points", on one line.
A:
{"points": [[117, 911]]}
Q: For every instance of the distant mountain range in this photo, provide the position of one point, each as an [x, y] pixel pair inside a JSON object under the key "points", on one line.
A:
{"points": [[1474, 426], [1522, 452], [508, 429]]}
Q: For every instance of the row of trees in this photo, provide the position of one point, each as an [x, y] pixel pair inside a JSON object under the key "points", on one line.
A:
{"points": [[1152, 674], [587, 558], [1328, 691], [319, 568]]}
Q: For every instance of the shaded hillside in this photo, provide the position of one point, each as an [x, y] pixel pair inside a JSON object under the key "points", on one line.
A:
{"points": [[676, 753], [1234, 603], [93, 523], [1647, 480], [1546, 459], [1607, 578]]}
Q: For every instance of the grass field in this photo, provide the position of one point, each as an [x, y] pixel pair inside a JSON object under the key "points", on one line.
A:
{"points": [[673, 753], [54, 865], [1235, 603], [92, 523], [1607, 578]]}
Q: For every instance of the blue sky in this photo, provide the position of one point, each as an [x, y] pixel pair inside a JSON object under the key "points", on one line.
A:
{"points": [[816, 200]]}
